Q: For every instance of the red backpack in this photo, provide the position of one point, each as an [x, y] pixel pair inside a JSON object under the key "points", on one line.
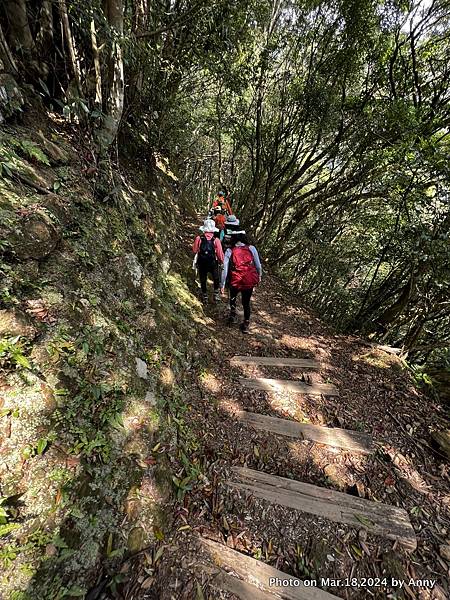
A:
{"points": [[220, 221], [243, 271]]}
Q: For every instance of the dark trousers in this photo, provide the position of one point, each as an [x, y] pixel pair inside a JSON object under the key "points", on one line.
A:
{"points": [[203, 276], [245, 296]]}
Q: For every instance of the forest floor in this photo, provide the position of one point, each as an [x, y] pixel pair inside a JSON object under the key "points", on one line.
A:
{"points": [[377, 395]]}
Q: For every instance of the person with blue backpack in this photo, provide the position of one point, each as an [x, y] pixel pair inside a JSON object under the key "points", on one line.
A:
{"points": [[208, 257]]}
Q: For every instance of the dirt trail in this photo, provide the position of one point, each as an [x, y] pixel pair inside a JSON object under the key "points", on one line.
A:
{"points": [[377, 396]]}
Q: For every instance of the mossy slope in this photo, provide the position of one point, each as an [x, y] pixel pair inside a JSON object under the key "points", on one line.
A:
{"points": [[96, 325]]}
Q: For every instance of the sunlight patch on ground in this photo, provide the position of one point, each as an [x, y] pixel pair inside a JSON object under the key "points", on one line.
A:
{"points": [[376, 358], [316, 451], [306, 343], [406, 471], [210, 383], [286, 403], [136, 416], [268, 318], [230, 406]]}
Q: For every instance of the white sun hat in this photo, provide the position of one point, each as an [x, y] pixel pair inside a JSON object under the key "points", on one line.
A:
{"points": [[209, 226]]}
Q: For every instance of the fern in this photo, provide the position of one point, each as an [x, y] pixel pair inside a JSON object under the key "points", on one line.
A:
{"points": [[34, 152]]}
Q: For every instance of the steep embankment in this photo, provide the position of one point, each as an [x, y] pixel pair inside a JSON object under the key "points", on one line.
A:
{"points": [[96, 330]]}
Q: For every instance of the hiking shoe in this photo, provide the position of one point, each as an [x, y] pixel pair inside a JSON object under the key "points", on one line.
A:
{"points": [[245, 326], [205, 298], [216, 297], [231, 319]]}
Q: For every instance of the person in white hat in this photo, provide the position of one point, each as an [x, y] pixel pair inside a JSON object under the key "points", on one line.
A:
{"points": [[209, 255], [231, 226]]}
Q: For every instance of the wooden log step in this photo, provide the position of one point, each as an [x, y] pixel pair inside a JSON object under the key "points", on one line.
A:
{"points": [[289, 385], [331, 436], [275, 361], [379, 519], [241, 589], [258, 576]]}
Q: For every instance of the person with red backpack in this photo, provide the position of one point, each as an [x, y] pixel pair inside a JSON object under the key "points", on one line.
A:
{"points": [[208, 254], [219, 220], [243, 266]]}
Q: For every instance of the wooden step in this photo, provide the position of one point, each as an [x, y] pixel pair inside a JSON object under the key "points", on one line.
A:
{"points": [[256, 575], [331, 436], [289, 385], [379, 519], [275, 361], [241, 589]]}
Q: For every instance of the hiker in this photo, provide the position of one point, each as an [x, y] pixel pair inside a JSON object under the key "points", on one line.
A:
{"points": [[209, 254], [245, 271], [219, 220], [222, 203], [232, 225]]}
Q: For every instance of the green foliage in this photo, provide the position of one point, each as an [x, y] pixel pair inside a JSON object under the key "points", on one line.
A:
{"points": [[12, 353], [8, 158], [33, 152]]}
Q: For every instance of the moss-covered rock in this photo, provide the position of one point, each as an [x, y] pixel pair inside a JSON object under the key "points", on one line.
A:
{"points": [[35, 237], [11, 98], [136, 539], [56, 153], [14, 323]]}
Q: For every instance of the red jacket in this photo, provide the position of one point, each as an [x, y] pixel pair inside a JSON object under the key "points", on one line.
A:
{"points": [[223, 204]]}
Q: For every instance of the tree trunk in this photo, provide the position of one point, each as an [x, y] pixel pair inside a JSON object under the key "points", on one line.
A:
{"points": [[140, 16], [98, 72], [11, 99], [20, 37], [71, 46], [391, 313], [6, 57], [115, 84], [44, 36]]}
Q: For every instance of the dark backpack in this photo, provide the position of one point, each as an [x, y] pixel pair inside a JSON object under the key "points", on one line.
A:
{"points": [[206, 253], [244, 274]]}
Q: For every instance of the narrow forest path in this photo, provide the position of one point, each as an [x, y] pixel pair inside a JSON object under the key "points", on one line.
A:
{"points": [[315, 464]]}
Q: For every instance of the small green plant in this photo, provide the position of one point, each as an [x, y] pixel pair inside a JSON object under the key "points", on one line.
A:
{"points": [[182, 486], [18, 594], [7, 528], [8, 159], [32, 151], [12, 353], [421, 377], [39, 447], [4, 512], [6, 168], [154, 356], [8, 554]]}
